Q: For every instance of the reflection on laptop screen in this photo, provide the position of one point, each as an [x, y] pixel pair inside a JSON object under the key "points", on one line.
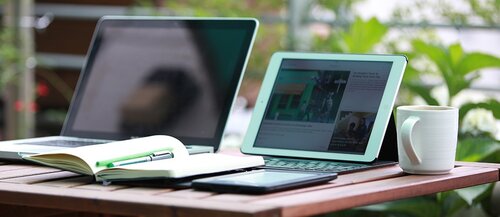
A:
{"points": [[176, 78], [323, 105]]}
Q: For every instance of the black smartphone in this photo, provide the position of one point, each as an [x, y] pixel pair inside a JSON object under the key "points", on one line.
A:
{"points": [[261, 181]]}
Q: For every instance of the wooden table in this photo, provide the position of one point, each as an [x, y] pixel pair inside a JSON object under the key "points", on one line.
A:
{"points": [[40, 191]]}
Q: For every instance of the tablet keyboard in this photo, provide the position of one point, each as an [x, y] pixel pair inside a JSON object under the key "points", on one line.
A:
{"points": [[313, 165]]}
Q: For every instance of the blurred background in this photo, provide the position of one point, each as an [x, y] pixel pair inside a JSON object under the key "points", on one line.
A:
{"points": [[453, 48]]}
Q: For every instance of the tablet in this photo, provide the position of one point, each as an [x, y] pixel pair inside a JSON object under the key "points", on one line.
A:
{"points": [[262, 181], [324, 106]]}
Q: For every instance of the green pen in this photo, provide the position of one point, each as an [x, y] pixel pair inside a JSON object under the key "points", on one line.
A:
{"points": [[128, 157]]}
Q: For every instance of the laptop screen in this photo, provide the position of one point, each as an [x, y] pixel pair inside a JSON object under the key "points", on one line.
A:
{"points": [[323, 105], [160, 76]]}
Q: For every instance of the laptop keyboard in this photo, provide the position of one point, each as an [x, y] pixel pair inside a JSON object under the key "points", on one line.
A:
{"points": [[66, 143], [312, 165]]}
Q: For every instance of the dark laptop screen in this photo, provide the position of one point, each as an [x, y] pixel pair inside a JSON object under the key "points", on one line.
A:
{"points": [[323, 105], [174, 77]]}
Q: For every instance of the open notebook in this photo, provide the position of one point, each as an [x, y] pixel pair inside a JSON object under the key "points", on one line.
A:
{"points": [[84, 160]]}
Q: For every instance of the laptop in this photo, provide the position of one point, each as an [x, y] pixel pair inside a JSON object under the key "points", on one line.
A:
{"points": [[153, 75], [326, 112]]}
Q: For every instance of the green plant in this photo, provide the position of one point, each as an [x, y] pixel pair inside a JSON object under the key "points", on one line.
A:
{"points": [[457, 69]]}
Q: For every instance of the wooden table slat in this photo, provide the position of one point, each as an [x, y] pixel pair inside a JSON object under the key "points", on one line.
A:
{"points": [[8, 167], [328, 200], [100, 187], [45, 177], [144, 190], [188, 193], [26, 171], [69, 182]]}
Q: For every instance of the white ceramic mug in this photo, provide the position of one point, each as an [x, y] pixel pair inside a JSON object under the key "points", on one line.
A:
{"points": [[427, 138]]}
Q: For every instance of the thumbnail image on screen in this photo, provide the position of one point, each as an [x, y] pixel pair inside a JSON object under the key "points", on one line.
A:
{"points": [[314, 96], [352, 131]]}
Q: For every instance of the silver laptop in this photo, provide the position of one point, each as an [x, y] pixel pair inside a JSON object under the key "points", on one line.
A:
{"points": [[153, 75], [324, 112]]}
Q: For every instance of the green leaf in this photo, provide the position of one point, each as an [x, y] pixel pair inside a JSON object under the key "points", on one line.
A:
{"points": [[470, 194], [454, 64], [411, 74], [363, 36], [451, 203], [476, 148], [474, 211], [494, 157], [423, 92], [475, 61], [457, 83], [408, 207], [440, 57], [491, 105], [435, 53], [456, 53]]}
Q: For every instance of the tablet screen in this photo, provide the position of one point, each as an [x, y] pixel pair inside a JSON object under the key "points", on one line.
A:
{"points": [[323, 105], [264, 178]]}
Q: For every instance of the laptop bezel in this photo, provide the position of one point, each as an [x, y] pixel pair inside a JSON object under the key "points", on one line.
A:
{"points": [[250, 23], [381, 121]]}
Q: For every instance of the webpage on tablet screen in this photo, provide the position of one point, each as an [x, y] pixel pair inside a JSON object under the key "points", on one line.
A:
{"points": [[323, 105]]}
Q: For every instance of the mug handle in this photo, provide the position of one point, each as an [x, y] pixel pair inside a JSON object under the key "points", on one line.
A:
{"points": [[406, 130]]}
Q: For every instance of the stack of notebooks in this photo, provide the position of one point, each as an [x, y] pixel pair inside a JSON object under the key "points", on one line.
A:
{"points": [[141, 159]]}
